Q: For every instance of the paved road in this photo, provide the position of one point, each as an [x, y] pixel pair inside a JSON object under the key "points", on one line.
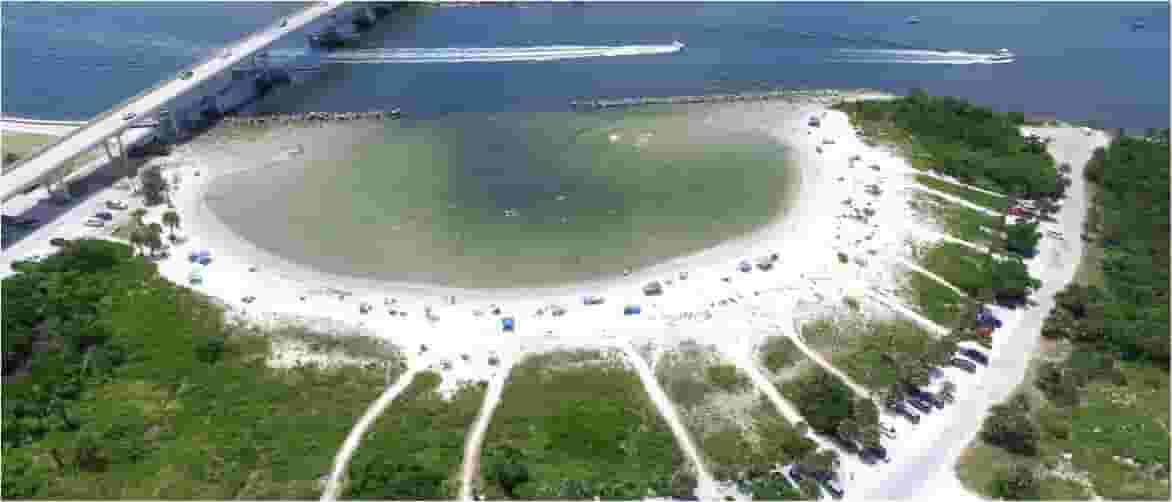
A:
{"points": [[108, 124], [923, 475]]}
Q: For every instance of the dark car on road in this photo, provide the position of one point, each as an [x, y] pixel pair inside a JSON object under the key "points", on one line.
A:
{"points": [[975, 355], [899, 409], [924, 406], [963, 364], [917, 393], [105, 215], [874, 454], [58, 242]]}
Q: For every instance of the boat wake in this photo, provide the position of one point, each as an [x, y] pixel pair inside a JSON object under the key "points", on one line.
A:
{"points": [[483, 54], [918, 56]]}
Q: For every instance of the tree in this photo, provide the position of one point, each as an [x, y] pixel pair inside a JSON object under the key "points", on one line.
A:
{"points": [[171, 220], [155, 232], [1022, 238], [154, 186], [1018, 482], [138, 239], [1009, 427], [138, 214]]}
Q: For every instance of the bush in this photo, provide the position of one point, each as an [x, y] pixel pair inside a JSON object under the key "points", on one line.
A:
{"points": [[1008, 426], [1017, 482], [726, 377], [154, 186], [778, 353]]}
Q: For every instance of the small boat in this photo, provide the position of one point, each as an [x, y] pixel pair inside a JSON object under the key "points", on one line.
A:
{"points": [[1137, 25], [1002, 55], [913, 20]]}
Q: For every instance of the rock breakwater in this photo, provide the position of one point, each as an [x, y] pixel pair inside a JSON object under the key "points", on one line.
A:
{"points": [[288, 118]]}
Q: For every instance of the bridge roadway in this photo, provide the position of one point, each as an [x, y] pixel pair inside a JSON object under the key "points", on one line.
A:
{"points": [[36, 167]]}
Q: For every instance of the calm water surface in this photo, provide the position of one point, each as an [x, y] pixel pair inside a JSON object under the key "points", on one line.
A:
{"points": [[1080, 61], [511, 199]]}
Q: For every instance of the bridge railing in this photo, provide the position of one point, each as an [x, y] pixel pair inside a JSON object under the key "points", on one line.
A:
{"points": [[126, 102]]}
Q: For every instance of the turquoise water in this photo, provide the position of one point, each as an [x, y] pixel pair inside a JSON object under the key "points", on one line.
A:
{"points": [[512, 199]]}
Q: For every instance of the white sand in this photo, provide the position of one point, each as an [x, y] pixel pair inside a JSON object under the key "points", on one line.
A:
{"points": [[826, 217]]}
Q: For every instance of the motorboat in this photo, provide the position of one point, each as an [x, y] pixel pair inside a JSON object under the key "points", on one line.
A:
{"points": [[1003, 55], [1137, 25], [913, 20]]}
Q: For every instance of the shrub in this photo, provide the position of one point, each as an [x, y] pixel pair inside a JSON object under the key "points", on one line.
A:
{"points": [[1008, 426], [1017, 482], [726, 377]]}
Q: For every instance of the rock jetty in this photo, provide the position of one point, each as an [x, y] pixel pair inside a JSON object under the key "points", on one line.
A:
{"points": [[828, 96], [286, 118]]}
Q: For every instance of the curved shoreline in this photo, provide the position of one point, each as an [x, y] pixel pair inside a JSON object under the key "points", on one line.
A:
{"points": [[210, 231]]}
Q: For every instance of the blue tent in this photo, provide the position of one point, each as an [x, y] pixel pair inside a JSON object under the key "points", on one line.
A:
{"points": [[632, 310], [507, 324]]}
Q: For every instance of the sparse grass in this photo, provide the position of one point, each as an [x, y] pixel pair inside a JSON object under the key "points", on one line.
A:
{"points": [[933, 300], [22, 144], [578, 425], [999, 204], [958, 221], [960, 265], [725, 420], [886, 132], [351, 344], [779, 353], [830, 336], [864, 358], [415, 449]]}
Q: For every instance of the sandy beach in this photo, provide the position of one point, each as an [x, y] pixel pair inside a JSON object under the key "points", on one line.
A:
{"points": [[850, 199]]}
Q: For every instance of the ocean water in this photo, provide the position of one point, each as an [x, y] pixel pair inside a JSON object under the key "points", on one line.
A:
{"points": [[1079, 61], [510, 199]]}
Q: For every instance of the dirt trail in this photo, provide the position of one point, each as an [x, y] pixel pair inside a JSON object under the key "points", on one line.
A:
{"points": [[492, 398], [706, 488], [342, 460]]}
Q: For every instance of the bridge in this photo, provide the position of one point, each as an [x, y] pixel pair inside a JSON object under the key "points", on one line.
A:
{"points": [[109, 125]]}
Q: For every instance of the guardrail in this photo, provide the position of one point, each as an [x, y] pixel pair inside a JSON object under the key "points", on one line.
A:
{"points": [[126, 102]]}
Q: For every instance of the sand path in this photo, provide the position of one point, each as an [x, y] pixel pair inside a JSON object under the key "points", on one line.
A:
{"points": [[342, 460]]}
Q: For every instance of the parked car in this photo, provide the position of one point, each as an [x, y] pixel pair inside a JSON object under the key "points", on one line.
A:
{"points": [[910, 415], [104, 215], [874, 453], [94, 222], [920, 404], [975, 355], [116, 204], [963, 364], [186, 75], [58, 242], [129, 116]]}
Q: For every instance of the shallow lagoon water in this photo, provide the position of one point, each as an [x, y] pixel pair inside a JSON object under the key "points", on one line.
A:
{"points": [[512, 199]]}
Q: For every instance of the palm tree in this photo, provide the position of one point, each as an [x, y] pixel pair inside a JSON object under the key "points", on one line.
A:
{"points": [[154, 240], [137, 239], [171, 219]]}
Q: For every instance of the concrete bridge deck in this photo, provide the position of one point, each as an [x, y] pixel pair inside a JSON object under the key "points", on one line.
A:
{"points": [[41, 164]]}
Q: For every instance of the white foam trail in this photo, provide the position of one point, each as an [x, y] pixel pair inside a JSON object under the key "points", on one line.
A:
{"points": [[477, 54], [493, 54], [916, 56]]}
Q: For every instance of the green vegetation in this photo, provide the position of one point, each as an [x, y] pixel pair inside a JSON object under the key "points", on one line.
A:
{"points": [[958, 221], [118, 384], [1104, 404], [970, 143], [739, 433], [779, 352], [16, 145], [578, 425], [884, 355], [982, 276], [1008, 426], [415, 449], [936, 301], [832, 409], [992, 202]]}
